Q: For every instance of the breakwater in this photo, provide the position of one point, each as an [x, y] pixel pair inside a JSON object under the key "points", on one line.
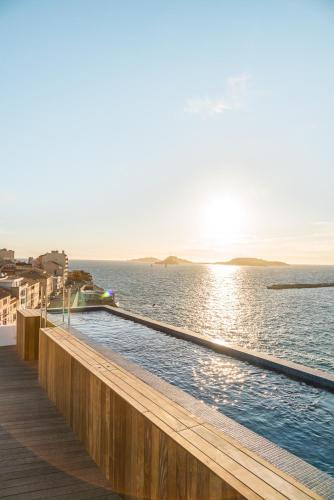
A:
{"points": [[288, 286]]}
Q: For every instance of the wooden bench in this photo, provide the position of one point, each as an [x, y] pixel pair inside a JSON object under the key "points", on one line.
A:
{"points": [[147, 445]]}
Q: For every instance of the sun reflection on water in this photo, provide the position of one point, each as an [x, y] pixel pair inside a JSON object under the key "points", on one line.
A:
{"points": [[222, 300], [213, 372]]}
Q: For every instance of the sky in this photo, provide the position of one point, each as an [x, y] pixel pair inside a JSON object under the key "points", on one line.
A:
{"points": [[202, 129]]}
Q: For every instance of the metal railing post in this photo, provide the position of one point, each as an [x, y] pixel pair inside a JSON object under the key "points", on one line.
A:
{"points": [[69, 307], [46, 305], [63, 300], [41, 307]]}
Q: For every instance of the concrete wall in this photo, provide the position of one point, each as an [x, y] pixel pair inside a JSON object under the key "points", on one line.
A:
{"points": [[7, 335]]}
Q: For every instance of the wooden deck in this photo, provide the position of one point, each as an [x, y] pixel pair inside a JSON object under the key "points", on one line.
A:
{"points": [[40, 457]]}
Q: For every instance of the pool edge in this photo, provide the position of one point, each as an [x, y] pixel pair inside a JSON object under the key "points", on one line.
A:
{"points": [[296, 371]]}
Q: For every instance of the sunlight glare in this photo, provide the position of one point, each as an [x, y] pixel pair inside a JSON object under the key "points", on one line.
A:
{"points": [[223, 220]]}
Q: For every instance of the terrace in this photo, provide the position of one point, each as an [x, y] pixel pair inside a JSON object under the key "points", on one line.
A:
{"points": [[78, 422]]}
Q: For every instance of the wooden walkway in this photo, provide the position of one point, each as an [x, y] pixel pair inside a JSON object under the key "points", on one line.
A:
{"points": [[39, 455]]}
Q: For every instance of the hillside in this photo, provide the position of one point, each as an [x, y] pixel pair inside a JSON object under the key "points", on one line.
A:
{"points": [[144, 260], [173, 260]]}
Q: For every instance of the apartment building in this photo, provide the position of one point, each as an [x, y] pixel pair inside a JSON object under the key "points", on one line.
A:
{"points": [[8, 255], [33, 293], [17, 286], [54, 262], [26, 288], [8, 305], [34, 275]]}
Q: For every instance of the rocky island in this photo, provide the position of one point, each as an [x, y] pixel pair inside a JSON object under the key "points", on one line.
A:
{"points": [[252, 261], [238, 261], [173, 260], [170, 260], [144, 260]]}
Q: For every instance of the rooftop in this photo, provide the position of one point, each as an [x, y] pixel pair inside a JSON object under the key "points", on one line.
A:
{"points": [[12, 278], [35, 274], [4, 292], [147, 441]]}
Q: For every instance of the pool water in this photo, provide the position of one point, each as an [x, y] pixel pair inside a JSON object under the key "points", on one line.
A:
{"points": [[294, 415]]}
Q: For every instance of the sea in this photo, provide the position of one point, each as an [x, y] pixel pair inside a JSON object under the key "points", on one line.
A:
{"points": [[231, 303]]}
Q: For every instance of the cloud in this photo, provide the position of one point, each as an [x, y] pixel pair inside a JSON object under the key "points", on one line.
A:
{"points": [[206, 106], [234, 98]]}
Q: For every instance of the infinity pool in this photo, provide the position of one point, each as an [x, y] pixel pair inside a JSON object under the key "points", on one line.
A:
{"points": [[295, 416]]}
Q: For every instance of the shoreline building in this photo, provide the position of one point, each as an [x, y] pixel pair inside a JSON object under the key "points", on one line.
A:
{"points": [[55, 264], [7, 255], [33, 293], [25, 286], [17, 286], [8, 307], [34, 275]]}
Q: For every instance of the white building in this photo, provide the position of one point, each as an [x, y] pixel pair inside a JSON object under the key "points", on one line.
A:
{"points": [[33, 293], [18, 287], [8, 305], [34, 275]]}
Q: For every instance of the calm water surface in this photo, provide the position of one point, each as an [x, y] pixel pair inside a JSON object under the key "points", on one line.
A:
{"points": [[296, 416], [232, 303]]}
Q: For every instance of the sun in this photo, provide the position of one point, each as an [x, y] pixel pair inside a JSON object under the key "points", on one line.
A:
{"points": [[223, 220]]}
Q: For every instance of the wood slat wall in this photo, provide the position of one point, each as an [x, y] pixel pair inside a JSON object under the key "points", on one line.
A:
{"points": [[148, 446], [27, 333]]}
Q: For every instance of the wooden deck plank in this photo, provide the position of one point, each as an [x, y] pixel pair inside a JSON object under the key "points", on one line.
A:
{"points": [[40, 457]]}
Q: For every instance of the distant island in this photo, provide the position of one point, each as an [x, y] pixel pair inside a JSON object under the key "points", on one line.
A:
{"points": [[144, 260], [252, 261], [172, 260]]}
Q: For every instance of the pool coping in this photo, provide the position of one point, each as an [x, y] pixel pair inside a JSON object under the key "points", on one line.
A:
{"points": [[297, 371]]}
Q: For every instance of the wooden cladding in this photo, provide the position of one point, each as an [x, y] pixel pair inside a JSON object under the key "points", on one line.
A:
{"points": [[147, 445], [27, 333]]}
